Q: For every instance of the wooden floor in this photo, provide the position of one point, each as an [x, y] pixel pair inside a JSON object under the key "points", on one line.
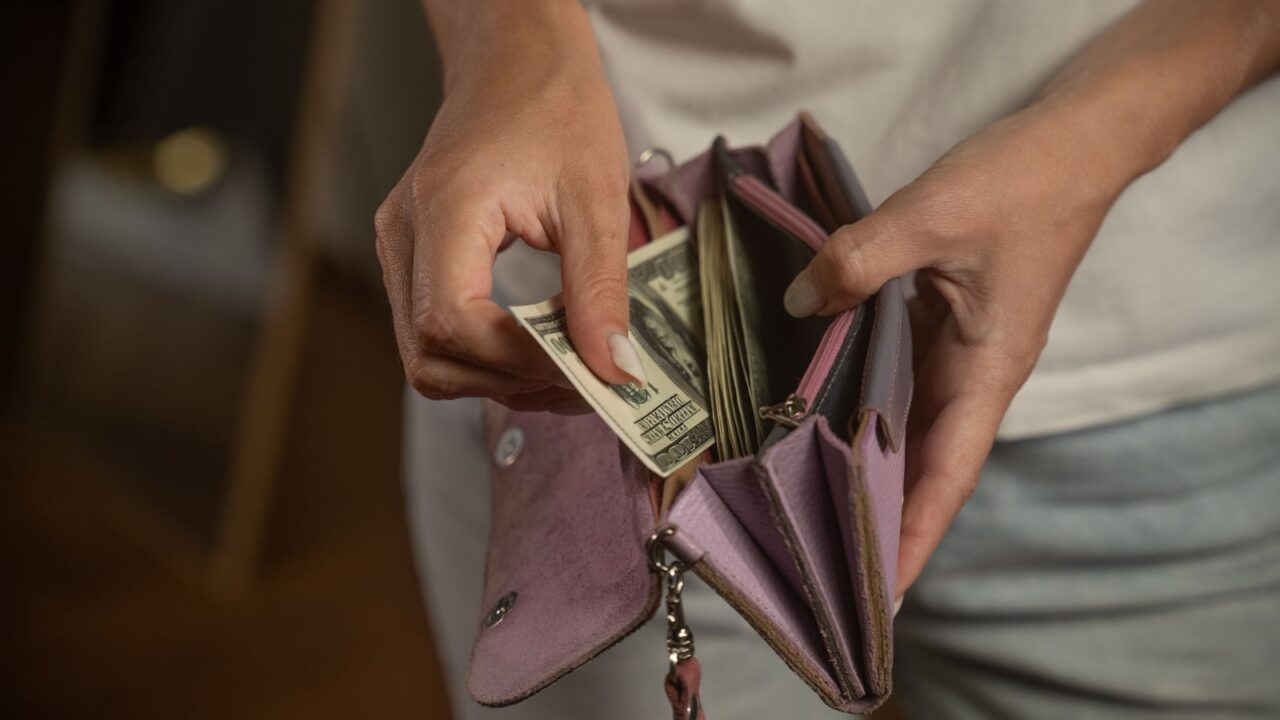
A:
{"points": [[96, 624]]}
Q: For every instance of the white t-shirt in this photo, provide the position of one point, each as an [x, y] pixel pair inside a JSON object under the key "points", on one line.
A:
{"points": [[1178, 298]]}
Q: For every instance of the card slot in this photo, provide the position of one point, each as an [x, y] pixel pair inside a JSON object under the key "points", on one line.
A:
{"points": [[798, 486], [745, 498], [867, 510], [734, 563], [816, 201], [843, 192]]}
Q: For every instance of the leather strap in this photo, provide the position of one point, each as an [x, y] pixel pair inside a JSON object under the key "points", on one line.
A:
{"points": [[684, 690]]}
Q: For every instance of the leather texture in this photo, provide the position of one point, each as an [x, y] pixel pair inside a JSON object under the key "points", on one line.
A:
{"points": [[571, 515], [732, 562], [803, 542], [683, 686], [800, 539]]}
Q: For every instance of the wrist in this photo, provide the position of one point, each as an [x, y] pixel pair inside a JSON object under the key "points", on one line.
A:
{"points": [[1140, 88], [479, 37], [1106, 130]]}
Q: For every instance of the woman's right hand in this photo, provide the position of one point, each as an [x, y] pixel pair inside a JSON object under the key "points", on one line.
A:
{"points": [[527, 143]]}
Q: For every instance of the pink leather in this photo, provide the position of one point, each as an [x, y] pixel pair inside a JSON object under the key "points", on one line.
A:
{"points": [[570, 519], [683, 687], [801, 540], [731, 561], [836, 515], [796, 479]]}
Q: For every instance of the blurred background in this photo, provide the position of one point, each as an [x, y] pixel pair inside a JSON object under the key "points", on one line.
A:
{"points": [[199, 389], [200, 503]]}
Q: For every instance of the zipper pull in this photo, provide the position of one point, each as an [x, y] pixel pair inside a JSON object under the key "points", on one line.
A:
{"points": [[789, 412]]}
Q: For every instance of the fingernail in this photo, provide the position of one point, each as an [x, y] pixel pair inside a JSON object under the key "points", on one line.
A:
{"points": [[897, 605], [626, 358], [802, 298]]}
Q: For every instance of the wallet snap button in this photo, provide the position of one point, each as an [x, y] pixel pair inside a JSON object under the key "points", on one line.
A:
{"points": [[500, 609], [509, 446]]}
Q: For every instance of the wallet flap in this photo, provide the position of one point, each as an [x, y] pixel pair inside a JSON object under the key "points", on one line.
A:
{"points": [[567, 573]]}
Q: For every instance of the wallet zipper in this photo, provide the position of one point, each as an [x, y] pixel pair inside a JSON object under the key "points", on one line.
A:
{"points": [[782, 213], [797, 405], [823, 360], [800, 226]]}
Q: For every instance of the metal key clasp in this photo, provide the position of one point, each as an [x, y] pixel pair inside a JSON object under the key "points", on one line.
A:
{"points": [[679, 636]]}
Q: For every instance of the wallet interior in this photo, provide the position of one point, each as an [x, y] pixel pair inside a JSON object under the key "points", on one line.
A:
{"points": [[786, 550], [774, 254]]}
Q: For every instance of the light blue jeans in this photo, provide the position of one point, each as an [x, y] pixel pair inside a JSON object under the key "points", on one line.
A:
{"points": [[1127, 571]]}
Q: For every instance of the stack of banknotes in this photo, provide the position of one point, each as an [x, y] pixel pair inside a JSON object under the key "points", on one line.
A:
{"points": [[687, 306]]}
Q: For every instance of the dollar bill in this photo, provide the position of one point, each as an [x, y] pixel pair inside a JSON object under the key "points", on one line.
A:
{"points": [[665, 422]]}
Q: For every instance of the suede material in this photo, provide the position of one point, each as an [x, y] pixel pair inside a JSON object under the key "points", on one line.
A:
{"points": [[887, 382], [878, 475], [732, 563], [866, 491], [695, 180], [734, 482], [802, 541], [570, 520], [795, 479], [809, 511]]}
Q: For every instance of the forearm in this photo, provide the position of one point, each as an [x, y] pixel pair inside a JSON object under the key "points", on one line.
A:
{"points": [[1159, 73], [479, 35]]}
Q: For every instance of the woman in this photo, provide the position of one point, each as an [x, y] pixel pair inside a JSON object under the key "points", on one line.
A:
{"points": [[1121, 557]]}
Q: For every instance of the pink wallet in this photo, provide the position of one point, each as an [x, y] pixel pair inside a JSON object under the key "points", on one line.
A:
{"points": [[801, 539]]}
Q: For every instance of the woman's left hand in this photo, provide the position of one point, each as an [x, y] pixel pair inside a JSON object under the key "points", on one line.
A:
{"points": [[998, 225], [995, 228]]}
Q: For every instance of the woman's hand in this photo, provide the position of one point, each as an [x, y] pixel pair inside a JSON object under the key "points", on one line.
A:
{"points": [[527, 144], [997, 226]]}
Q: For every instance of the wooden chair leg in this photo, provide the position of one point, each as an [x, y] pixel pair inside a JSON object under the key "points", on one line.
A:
{"points": [[263, 424]]}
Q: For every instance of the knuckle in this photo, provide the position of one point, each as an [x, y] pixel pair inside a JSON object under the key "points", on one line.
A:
{"points": [[430, 380], [1015, 352], [848, 263], [420, 189], [604, 181], [388, 228], [435, 330], [601, 288], [599, 179], [386, 220]]}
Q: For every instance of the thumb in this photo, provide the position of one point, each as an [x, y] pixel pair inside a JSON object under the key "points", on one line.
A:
{"points": [[853, 263], [593, 262]]}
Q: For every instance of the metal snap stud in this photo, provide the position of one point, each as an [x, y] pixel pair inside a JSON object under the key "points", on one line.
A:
{"points": [[509, 445], [500, 609]]}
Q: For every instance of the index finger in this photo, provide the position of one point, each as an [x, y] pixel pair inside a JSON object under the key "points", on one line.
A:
{"points": [[451, 284]]}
